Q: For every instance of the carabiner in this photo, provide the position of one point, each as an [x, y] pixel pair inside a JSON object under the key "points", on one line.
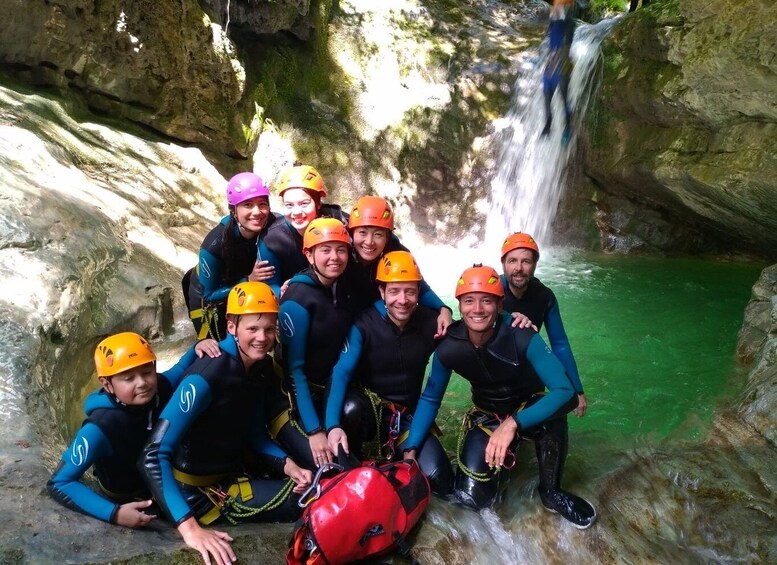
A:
{"points": [[314, 491]]}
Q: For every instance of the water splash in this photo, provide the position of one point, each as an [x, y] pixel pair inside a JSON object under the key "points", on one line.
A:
{"points": [[531, 169]]}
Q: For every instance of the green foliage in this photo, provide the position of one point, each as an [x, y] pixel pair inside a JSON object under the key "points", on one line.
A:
{"points": [[600, 9]]}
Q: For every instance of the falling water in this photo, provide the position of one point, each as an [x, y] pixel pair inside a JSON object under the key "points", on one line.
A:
{"points": [[531, 169]]}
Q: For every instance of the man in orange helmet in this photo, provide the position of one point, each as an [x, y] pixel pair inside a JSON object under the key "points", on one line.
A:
{"points": [[388, 350], [525, 293], [519, 391]]}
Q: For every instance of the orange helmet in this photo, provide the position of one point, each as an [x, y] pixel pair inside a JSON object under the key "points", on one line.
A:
{"points": [[121, 352], [480, 279], [398, 266], [520, 240], [302, 176], [372, 211], [252, 298], [323, 230]]}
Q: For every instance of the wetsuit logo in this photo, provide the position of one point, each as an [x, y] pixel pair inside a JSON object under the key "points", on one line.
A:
{"points": [[205, 268], [187, 397], [346, 346], [287, 326], [79, 452]]}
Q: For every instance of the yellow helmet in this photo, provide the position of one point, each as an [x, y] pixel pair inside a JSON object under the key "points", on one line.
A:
{"points": [[302, 176], [121, 352], [252, 298], [398, 266]]}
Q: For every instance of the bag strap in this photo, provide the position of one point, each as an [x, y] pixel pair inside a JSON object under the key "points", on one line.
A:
{"points": [[403, 548]]}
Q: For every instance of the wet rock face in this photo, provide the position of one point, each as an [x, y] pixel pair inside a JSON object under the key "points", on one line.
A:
{"points": [[162, 64], [686, 126], [260, 17], [757, 347]]}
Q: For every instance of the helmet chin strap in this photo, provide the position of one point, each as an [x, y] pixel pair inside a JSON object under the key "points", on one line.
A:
{"points": [[237, 341], [318, 271]]}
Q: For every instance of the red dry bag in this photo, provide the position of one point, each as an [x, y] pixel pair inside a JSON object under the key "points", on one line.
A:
{"points": [[359, 513]]}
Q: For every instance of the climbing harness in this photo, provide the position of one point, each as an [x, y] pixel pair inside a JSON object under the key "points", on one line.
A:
{"points": [[209, 314], [477, 417], [225, 502]]}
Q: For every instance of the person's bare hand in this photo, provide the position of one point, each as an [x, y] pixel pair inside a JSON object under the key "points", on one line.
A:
{"points": [[582, 406], [320, 449], [522, 321], [301, 477], [444, 319], [131, 515], [207, 542], [285, 286], [261, 272], [337, 437], [500, 441], [209, 347]]}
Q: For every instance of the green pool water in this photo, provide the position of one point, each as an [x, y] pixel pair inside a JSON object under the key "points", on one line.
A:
{"points": [[654, 341]]}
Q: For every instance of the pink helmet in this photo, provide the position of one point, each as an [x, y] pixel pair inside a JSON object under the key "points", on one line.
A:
{"points": [[244, 186]]}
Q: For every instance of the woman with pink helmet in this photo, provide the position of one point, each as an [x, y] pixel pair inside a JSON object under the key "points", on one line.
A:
{"points": [[228, 255]]}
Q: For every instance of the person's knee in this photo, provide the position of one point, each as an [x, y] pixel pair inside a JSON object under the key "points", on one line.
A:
{"points": [[436, 465], [473, 493], [358, 417]]}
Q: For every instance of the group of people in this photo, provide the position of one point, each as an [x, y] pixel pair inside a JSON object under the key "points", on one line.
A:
{"points": [[232, 434]]}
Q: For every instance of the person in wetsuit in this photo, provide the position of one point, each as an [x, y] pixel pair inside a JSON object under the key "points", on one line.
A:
{"points": [[388, 349], [371, 225], [119, 419], [316, 313], [194, 461], [558, 68], [302, 188], [525, 293], [510, 402], [228, 255]]}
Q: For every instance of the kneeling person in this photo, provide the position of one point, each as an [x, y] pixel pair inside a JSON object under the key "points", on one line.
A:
{"points": [[510, 403], [388, 349], [194, 459]]}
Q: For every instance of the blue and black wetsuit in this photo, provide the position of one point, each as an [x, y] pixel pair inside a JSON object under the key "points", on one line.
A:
{"points": [[216, 274], [502, 387], [314, 321], [366, 287], [111, 439], [194, 460], [281, 246], [558, 67], [539, 304], [390, 364]]}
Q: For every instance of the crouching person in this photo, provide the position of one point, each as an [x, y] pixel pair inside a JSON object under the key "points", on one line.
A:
{"points": [[388, 349], [509, 370], [119, 419], [194, 459]]}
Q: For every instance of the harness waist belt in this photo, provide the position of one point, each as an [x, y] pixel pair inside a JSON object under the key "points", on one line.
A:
{"points": [[199, 480]]}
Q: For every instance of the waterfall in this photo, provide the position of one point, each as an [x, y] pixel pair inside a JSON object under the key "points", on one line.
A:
{"points": [[531, 169]]}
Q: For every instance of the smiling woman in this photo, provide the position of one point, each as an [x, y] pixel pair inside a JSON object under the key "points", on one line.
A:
{"points": [[228, 254]]}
